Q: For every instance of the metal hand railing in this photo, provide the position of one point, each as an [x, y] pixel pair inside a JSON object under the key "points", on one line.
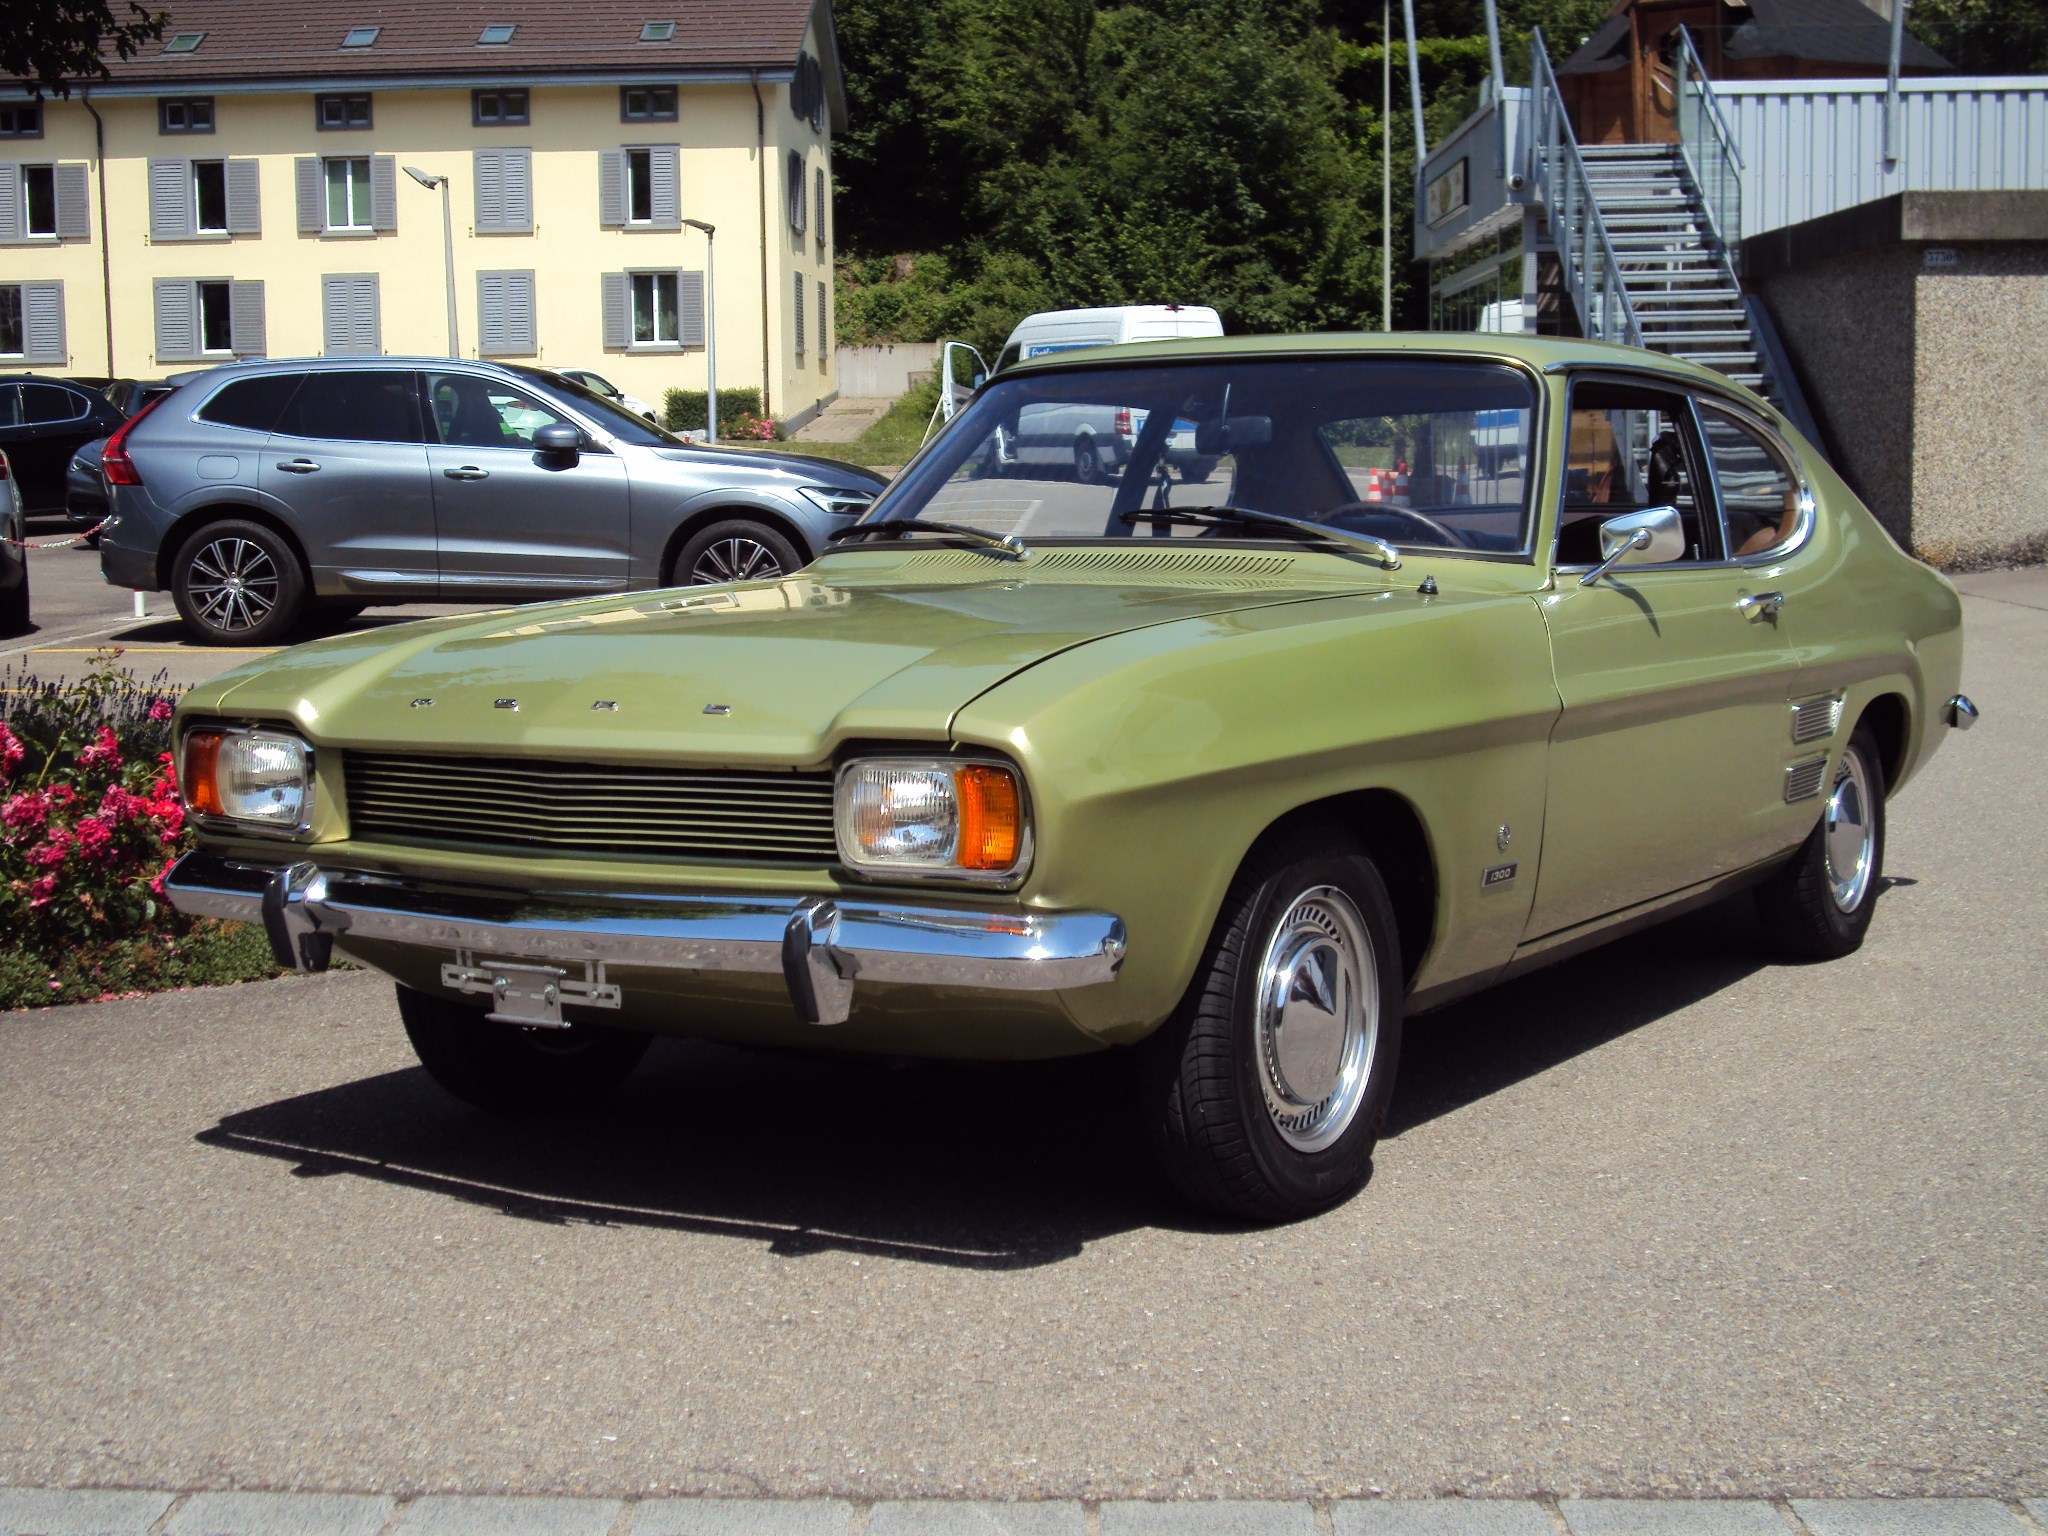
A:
{"points": [[1709, 148], [1558, 173]]}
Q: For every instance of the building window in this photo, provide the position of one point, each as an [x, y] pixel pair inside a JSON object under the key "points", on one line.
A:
{"points": [[32, 322], [11, 335], [184, 114], [348, 194], [184, 42], [339, 112], [21, 120], [657, 31], [639, 186], [39, 201], [210, 197], [654, 308], [501, 109], [647, 103], [361, 37], [497, 32], [216, 319]]}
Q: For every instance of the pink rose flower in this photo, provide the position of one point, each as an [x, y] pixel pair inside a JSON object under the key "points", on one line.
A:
{"points": [[26, 811], [95, 839], [160, 710], [40, 890], [105, 751], [11, 753]]}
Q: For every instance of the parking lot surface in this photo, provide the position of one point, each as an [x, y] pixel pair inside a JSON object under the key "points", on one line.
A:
{"points": [[1665, 1220]]}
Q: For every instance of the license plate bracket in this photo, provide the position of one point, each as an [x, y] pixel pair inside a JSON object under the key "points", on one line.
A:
{"points": [[526, 994]]}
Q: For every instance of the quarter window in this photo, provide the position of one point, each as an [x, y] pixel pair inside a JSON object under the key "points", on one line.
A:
{"points": [[1759, 491], [498, 108], [342, 112], [39, 200], [348, 193], [655, 308], [647, 103], [184, 114]]}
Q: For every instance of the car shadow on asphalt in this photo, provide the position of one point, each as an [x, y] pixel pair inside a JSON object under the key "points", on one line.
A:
{"points": [[966, 1165]]}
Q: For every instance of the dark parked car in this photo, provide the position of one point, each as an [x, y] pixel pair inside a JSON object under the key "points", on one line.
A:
{"points": [[263, 493], [42, 423], [13, 557], [85, 493]]}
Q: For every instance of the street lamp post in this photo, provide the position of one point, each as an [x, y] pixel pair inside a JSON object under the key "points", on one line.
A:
{"points": [[710, 329], [430, 182]]}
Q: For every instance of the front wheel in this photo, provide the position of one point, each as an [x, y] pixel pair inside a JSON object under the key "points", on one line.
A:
{"points": [[511, 1069], [238, 583], [1818, 907], [1267, 1090], [1088, 468], [736, 550]]}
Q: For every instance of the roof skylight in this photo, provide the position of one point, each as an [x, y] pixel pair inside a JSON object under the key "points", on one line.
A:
{"points": [[184, 42], [498, 32], [657, 32], [360, 37]]}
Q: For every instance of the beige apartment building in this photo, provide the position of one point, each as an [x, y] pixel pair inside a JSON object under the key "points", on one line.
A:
{"points": [[278, 179]]}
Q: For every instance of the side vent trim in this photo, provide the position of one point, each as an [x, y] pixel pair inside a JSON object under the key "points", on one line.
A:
{"points": [[1815, 720], [1803, 780]]}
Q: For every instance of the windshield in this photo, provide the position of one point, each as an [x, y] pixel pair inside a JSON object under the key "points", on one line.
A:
{"points": [[1425, 453], [609, 414]]}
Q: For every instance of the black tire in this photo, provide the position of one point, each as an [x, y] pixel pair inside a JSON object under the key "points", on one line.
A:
{"points": [[1088, 467], [509, 1069], [327, 615], [1197, 471], [1210, 1074], [738, 549], [1819, 906], [14, 619], [238, 583]]}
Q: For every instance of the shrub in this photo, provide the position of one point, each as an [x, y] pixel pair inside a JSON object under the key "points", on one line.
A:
{"points": [[689, 410]]}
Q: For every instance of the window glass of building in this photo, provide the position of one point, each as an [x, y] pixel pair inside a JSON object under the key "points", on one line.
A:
{"points": [[39, 200], [216, 318], [639, 186], [185, 114], [348, 193], [210, 197], [10, 320], [342, 112], [654, 307], [647, 103]]}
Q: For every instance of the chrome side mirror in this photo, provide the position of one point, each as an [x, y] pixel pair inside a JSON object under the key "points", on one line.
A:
{"points": [[1653, 536]]}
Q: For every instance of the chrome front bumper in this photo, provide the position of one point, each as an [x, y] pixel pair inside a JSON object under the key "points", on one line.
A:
{"points": [[819, 944]]}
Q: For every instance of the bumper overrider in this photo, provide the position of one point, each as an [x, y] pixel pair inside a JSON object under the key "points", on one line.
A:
{"points": [[518, 948]]}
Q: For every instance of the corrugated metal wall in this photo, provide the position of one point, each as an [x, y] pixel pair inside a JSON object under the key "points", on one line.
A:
{"points": [[1810, 147]]}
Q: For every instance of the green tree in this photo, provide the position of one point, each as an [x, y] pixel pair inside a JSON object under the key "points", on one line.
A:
{"points": [[49, 44], [1985, 37]]}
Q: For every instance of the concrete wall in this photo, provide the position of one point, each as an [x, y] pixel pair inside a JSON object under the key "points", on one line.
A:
{"points": [[884, 371], [1919, 328]]}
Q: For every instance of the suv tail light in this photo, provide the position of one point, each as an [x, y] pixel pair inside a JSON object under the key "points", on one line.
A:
{"points": [[1123, 422], [114, 461]]}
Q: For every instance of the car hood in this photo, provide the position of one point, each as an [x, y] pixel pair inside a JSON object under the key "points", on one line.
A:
{"points": [[765, 673], [813, 469]]}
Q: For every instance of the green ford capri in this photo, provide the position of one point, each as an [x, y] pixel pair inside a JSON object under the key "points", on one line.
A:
{"points": [[1383, 669]]}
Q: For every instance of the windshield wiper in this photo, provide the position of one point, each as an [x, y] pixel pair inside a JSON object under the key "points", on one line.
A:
{"points": [[1389, 557], [1008, 543]]}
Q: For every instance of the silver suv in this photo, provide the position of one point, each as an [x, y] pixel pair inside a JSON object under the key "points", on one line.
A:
{"points": [[267, 495]]}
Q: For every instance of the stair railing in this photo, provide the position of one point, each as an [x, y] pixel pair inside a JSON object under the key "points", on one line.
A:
{"points": [[1557, 172], [1710, 151]]}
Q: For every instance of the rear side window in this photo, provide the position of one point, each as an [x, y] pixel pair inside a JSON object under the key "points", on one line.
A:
{"points": [[51, 403], [365, 407], [252, 404], [1759, 491]]}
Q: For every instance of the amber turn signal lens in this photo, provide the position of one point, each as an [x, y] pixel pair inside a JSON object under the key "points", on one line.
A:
{"points": [[991, 817], [202, 758]]}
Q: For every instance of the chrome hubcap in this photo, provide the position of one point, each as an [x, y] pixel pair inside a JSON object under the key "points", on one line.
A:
{"points": [[1849, 843], [233, 585], [735, 560], [1318, 1018]]}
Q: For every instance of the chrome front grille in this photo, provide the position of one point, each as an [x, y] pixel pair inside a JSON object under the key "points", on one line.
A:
{"points": [[568, 809]]}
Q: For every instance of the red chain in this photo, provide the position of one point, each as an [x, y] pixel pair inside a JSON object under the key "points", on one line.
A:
{"points": [[60, 543]]}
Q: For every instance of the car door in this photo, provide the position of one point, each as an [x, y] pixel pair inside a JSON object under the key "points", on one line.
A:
{"points": [[513, 521], [55, 419], [1667, 762], [347, 463]]}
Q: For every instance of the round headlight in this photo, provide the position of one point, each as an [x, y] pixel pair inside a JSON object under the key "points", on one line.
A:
{"points": [[915, 816], [261, 778]]}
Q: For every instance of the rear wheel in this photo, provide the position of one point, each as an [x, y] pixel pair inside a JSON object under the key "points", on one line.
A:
{"points": [[1087, 462], [510, 1069], [736, 550], [1267, 1090], [238, 583], [14, 618], [1819, 906]]}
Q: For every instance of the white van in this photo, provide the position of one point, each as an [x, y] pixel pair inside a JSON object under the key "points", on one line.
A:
{"points": [[1096, 440]]}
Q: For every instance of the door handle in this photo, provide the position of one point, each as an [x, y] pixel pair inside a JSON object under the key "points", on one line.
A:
{"points": [[297, 466], [467, 472], [1764, 604]]}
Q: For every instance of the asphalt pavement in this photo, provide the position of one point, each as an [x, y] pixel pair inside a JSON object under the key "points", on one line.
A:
{"points": [[1668, 1220]]}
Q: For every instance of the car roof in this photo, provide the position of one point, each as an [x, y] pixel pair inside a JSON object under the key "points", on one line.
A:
{"points": [[1546, 354]]}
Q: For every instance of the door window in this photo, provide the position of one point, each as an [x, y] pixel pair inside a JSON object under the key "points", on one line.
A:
{"points": [[1627, 449], [1759, 491], [354, 407], [470, 412]]}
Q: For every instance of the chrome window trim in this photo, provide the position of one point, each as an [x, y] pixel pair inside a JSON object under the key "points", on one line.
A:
{"points": [[251, 828]]}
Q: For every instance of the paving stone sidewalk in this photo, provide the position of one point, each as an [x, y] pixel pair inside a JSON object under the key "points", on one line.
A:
{"points": [[127, 1512]]}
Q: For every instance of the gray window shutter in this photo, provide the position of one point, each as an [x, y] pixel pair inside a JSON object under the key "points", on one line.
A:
{"points": [[517, 165], [793, 184], [10, 201], [665, 171], [170, 200], [383, 193], [504, 191], [42, 315], [504, 306], [617, 322], [799, 315], [312, 196], [349, 313], [490, 191], [245, 199], [177, 319], [74, 210], [611, 188], [824, 337], [245, 318], [690, 308], [818, 212]]}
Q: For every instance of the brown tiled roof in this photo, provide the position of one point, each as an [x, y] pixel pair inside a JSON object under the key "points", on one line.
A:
{"points": [[301, 39]]}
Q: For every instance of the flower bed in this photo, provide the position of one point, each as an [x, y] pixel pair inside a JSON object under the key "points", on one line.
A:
{"points": [[90, 822]]}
